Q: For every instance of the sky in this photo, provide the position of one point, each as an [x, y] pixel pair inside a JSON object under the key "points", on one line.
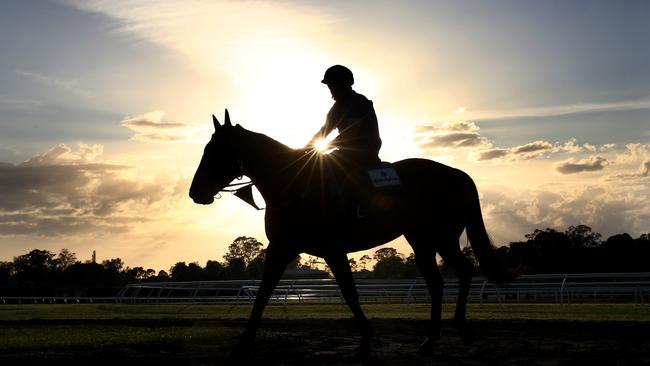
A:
{"points": [[105, 109]]}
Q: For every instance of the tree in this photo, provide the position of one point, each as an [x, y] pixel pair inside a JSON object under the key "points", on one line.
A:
{"points": [[390, 263], [214, 270], [313, 262], [295, 263], [114, 265], [138, 274], [236, 268], [243, 248], [162, 276], [178, 270], [621, 254], [65, 259], [410, 269], [582, 236], [353, 264], [6, 271], [34, 266], [364, 260], [385, 253], [186, 272]]}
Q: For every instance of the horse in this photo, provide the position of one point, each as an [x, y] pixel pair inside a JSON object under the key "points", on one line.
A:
{"points": [[433, 207]]}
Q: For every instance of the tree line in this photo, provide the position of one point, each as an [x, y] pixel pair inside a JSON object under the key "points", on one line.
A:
{"points": [[575, 250]]}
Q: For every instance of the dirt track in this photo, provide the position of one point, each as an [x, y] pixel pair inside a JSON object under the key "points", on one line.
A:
{"points": [[332, 342]]}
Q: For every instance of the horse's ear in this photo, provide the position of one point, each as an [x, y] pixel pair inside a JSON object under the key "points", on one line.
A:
{"points": [[227, 123], [215, 122]]}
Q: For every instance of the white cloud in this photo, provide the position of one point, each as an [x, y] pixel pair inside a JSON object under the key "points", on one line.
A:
{"points": [[62, 154], [607, 208]]}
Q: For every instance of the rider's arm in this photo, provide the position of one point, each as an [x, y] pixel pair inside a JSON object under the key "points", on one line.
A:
{"points": [[327, 128]]}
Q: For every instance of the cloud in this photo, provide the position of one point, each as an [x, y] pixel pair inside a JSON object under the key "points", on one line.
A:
{"points": [[531, 150], [455, 140], [607, 208], [559, 110], [642, 172], [645, 168], [62, 154], [493, 154], [451, 135], [63, 191], [540, 148], [71, 86], [467, 134], [590, 164], [149, 127]]}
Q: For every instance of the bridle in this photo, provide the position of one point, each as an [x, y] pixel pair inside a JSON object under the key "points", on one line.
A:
{"points": [[242, 190]]}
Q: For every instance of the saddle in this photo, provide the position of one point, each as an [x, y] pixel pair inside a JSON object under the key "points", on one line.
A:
{"points": [[370, 192]]}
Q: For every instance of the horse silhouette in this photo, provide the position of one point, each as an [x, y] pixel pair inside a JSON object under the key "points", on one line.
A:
{"points": [[432, 208]]}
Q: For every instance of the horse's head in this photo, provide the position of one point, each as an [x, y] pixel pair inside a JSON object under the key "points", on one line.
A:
{"points": [[220, 164]]}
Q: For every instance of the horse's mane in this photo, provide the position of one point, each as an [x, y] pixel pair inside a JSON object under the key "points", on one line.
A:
{"points": [[261, 140]]}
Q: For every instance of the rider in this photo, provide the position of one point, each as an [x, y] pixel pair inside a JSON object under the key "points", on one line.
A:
{"points": [[354, 117]]}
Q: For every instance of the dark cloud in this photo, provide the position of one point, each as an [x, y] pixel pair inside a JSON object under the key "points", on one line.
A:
{"points": [[493, 154], [50, 195], [591, 164], [458, 139], [150, 124], [452, 135], [449, 127], [532, 148]]}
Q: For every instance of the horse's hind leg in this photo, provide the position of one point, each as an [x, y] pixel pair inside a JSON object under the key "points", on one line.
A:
{"points": [[341, 270], [425, 257], [464, 270]]}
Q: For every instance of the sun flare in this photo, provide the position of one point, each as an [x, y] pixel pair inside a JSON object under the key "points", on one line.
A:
{"points": [[322, 145]]}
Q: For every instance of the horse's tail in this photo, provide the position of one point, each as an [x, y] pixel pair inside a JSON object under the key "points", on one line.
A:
{"points": [[480, 241]]}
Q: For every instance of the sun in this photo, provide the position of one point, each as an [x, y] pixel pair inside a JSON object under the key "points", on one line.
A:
{"points": [[322, 146]]}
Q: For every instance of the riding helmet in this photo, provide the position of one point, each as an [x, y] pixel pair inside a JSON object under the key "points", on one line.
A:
{"points": [[338, 74]]}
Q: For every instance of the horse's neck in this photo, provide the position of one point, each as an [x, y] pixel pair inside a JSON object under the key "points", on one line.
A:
{"points": [[268, 163]]}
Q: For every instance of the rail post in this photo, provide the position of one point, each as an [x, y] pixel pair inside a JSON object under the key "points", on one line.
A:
{"points": [[482, 291], [562, 289]]}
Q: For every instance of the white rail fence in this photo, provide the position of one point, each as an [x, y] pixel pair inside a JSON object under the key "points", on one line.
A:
{"points": [[557, 288]]}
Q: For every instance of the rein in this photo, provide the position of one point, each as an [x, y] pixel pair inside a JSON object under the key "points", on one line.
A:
{"points": [[244, 191]]}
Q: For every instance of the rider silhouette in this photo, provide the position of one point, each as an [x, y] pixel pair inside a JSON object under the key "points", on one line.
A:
{"points": [[354, 117], [358, 141]]}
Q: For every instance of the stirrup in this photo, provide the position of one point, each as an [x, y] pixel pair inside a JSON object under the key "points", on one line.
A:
{"points": [[360, 214]]}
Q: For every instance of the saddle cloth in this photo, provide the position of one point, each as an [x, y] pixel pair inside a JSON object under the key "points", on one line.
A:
{"points": [[384, 177]]}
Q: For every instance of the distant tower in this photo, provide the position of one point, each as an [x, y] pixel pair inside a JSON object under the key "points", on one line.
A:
{"points": [[94, 260]]}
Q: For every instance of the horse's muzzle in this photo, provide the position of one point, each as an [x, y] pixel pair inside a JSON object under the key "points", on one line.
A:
{"points": [[201, 200]]}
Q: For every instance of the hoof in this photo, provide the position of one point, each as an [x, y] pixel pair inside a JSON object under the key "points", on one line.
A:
{"points": [[238, 354], [363, 353], [427, 347], [241, 350], [467, 336]]}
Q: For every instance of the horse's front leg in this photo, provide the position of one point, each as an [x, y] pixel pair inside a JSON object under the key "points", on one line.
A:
{"points": [[341, 269], [275, 262]]}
